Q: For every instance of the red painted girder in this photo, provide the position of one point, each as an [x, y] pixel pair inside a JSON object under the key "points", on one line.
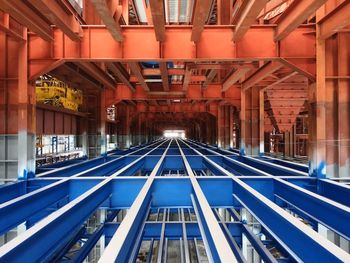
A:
{"points": [[295, 15], [187, 78], [97, 73], [335, 20], [54, 12], [135, 68], [38, 68], [158, 18], [106, 13], [6, 27], [27, 17], [118, 72], [234, 77], [164, 74], [201, 12], [261, 73], [157, 71], [237, 10], [215, 44], [281, 80], [194, 92], [198, 78], [305, 67], [248, 17], [212, 74]]}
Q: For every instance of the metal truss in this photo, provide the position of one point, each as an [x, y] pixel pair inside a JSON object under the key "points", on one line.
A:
{"points": [[174, 198]]}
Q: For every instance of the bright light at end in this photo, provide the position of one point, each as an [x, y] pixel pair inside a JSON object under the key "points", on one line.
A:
{"points": [[174, 134]]}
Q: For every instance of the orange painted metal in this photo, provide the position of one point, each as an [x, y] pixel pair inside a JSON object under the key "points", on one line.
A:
{"points": [[295, 15], [248, 17], [335, 20], [215, 45]]}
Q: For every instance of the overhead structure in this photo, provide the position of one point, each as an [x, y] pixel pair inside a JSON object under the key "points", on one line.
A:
{"points": [[88, 89]]}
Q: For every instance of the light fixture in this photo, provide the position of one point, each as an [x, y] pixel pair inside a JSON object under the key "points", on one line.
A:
{"points": [[174, 134]]}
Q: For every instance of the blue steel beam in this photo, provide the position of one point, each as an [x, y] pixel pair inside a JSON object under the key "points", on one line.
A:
{"points": [[264, 253], [118, 249], [217, 246], [236, 249], [12, 190], [257, 162], [173, 230], [296, 166], [40, 241], [293, 235], [176, 191], [334, 191], [84, 251], [17, 210], [89, 166], [326, 211]]}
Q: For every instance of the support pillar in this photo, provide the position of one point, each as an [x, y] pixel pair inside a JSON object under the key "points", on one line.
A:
{"points": [[330, 107], [250, 122], [344, 103], [103, 123], [17, 110], [317, 109], [288, 143], [261, 122], [220, 126], [123, 114], [230, 126]]}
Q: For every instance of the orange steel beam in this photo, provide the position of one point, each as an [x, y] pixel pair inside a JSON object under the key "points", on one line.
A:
{"points": [[158, 18], [201, 12], [118, 71], [157, 71], [27, 17], [335, 20], [237, 10], [248, 18], [281, 80], [301, 68], [224, 11], [215, 44], [75, 70], [5, 27], [198, 78], [272, 9], [148, 12], [174, 108], [135, 68], [176, 71], [261, 73], [53, 11], [234, 77], [210, 77], [210, 66], [164, 73], [187, 78], [38, 68], [194, 92], [108, 18], [98, 74], [297, 13]]}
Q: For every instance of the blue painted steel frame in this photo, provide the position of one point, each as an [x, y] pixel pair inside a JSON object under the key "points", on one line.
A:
{"points": [[56, 204]]}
